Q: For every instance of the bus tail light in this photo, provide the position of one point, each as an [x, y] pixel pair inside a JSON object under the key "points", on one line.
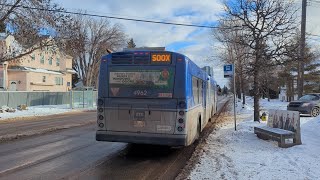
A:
{"points": [[101, 125], [100, 102], [100, 110], [181, 113], [180, 120], [100, 117], [180, 128], [182, 104]]}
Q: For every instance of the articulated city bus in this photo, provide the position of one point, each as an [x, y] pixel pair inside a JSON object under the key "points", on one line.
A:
{"points": [[153, 97]]}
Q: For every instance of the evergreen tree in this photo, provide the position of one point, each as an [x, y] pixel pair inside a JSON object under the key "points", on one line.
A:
{"points": [[131, 43], [312, 78]]}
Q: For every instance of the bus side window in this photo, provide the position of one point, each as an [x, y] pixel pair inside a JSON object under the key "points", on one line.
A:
{"points": [[200, 90], [195, 90]]}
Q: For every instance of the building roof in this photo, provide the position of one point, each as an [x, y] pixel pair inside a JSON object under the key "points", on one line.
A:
{"points": [[22, 68], [72, 71]]}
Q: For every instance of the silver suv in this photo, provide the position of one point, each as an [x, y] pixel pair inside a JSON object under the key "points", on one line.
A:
{"points": [[307, 104]]}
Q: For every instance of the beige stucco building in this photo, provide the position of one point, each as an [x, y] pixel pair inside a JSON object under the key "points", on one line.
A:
{"points": [[45, 69]]}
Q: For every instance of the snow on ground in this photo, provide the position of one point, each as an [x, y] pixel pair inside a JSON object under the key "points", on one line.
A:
{"points": [[41, 111], [230, 154]]}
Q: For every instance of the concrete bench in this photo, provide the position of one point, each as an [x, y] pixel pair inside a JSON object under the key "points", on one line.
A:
{"points": [[282, 126]]}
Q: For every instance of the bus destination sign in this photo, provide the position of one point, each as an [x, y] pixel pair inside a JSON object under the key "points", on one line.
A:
{"points": [[160, 57]]}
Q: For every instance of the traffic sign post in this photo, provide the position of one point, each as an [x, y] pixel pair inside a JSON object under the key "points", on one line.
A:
{"points": [[230, 72]]}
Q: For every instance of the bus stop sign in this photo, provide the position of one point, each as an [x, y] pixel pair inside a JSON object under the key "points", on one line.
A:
{"points": [[228, 70]]}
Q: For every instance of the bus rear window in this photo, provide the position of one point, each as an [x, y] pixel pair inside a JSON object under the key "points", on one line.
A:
{"points": [[153, 82]]}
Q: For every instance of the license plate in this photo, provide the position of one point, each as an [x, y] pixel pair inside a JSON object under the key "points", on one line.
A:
{"points": [[139, 115], [139, 123]]}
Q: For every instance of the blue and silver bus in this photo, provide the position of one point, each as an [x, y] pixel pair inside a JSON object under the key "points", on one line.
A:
{"points": [[153, 97]]}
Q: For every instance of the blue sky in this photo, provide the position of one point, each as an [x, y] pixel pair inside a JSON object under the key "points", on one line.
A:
{"points": [[197, 43]]}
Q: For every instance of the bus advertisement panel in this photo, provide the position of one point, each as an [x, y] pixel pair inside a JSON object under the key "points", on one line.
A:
{"points": [[147, 83]]}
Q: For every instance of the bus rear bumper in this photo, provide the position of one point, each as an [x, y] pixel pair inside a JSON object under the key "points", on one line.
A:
{"points": [[142, 138]]}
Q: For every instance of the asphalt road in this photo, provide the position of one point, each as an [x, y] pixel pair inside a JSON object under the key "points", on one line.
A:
{"points": [[54, 156], [20, 127], [74, 154]]}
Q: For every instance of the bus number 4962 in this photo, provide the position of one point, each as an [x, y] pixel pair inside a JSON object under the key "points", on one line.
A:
{"points": [[140, 92]]}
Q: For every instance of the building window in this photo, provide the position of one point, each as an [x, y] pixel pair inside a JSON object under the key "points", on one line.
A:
{"points": [[1, 82], [59, 80], [50, 60], [58, 62], [33, 57], [42, 59], [43, 78]]}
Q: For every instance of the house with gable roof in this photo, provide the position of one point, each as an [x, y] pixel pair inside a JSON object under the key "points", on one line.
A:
{"points": [[44, 69]]}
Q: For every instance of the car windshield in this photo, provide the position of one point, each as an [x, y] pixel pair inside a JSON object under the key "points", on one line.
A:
{"points": [[309, 97]]}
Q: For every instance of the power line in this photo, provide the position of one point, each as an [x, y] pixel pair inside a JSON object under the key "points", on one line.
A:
{"points": [[314, 35], [111, 17], [315, 1]]}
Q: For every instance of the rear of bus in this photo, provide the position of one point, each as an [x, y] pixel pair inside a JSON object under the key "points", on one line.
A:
{"points": [[142, 98]]}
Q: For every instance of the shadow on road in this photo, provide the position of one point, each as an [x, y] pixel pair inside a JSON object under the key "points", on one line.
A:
{"points": [[147, 151]]}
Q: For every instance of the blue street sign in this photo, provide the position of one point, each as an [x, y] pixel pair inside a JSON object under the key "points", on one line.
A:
{"points": [[228, 70]]}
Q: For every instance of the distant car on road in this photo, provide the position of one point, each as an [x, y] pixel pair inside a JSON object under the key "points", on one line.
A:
{"points": [[307, 104]]}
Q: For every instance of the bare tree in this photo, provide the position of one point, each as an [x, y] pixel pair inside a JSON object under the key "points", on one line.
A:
{"points": [[91, 40], [24, 19], [234, 53], [267, 25]]}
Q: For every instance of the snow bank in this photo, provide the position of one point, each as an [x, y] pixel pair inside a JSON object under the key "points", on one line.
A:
{"points": [[40, 111], [230, 154]]}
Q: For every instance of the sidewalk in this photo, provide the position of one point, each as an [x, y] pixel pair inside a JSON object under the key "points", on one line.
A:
{"points": [[230, 154]]}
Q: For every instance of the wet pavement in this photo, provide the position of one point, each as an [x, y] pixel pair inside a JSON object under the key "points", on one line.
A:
{"points": [[54, 156], [74, 154]]}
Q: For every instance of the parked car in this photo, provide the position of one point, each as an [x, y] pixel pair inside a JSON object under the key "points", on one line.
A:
{"points": [[307, 104]]}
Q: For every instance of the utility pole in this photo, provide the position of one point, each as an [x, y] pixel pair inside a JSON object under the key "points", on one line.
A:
{"points": [[234, 97], [302, 48]]}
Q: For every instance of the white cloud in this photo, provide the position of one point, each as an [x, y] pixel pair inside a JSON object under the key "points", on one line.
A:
{"points": [[146, 34], [165, 10], [181, 11]]}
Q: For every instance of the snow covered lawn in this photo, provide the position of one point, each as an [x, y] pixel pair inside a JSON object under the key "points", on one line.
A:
{"points": [[230, 154], [41, 111]]}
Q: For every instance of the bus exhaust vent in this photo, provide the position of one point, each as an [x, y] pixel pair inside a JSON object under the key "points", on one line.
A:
{"points": [[141, 59], [122, 58]]}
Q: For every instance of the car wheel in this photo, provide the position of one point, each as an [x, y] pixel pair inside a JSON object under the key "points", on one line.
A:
{"points": [[315, 111]]}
